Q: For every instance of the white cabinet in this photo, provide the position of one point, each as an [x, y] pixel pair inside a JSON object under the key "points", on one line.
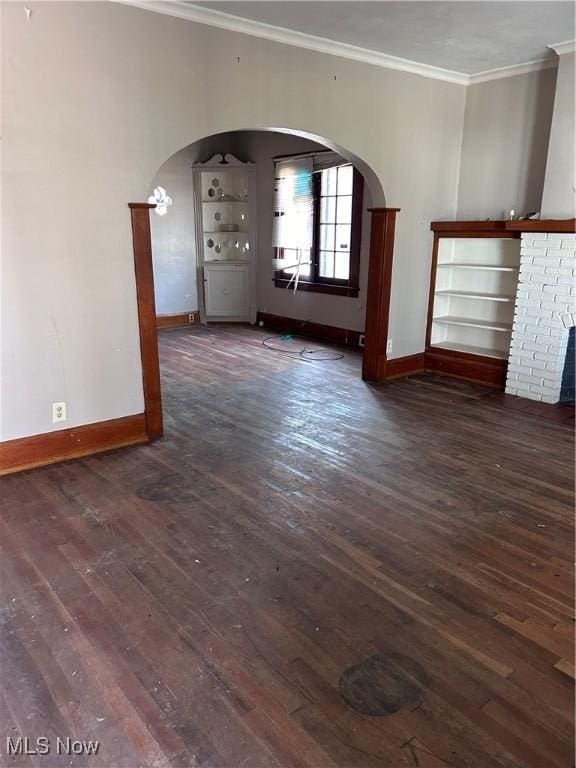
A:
{"points": [[226, 292], [225, 205]]}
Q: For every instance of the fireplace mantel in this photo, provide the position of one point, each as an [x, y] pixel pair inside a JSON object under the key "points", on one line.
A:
{"points": [[542, 225], [489, 226]]}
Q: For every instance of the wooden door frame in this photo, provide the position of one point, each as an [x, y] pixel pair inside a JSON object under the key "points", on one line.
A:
{"points": [[382, 233], [375, 365], [144, 273]]}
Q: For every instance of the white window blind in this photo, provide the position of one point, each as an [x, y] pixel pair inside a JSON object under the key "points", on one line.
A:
{"points": [[293, 211], [324, 160]]}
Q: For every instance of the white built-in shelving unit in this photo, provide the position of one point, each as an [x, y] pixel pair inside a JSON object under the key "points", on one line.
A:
{"points": [[474, 294], [224, 203]]}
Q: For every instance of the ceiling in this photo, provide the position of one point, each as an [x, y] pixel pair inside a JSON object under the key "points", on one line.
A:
{"points": [[464, 37]]}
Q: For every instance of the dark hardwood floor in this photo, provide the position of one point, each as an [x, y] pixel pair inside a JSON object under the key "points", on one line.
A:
{"points": [[196, 601]]}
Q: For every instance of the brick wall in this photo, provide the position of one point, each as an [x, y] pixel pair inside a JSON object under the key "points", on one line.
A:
{"points": [[544, 312]]}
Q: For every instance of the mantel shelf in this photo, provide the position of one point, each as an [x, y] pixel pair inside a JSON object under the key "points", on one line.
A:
{"points": [[542, 225], [504, 227], [468, 226]]}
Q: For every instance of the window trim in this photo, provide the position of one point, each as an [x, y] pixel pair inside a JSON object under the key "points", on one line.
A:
{"points": [[317, 284]]}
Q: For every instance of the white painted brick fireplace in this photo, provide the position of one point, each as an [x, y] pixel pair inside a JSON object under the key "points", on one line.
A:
{"points": [[545, 311]]}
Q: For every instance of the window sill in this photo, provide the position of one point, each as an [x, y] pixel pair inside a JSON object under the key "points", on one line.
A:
{"points": [[331, 288]]}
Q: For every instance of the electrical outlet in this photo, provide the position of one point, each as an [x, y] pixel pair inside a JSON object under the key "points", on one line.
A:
{"points": [[58, 412], [361, 340], [191, 317], [389, 346]]}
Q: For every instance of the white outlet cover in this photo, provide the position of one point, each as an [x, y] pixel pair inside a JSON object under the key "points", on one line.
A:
{"points": [[58, 412]]}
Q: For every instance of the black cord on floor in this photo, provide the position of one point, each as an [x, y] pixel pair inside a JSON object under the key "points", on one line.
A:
{"points": [[307, 355]]}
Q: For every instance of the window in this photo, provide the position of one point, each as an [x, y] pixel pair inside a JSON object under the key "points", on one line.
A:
{"points": [[318, 219]]}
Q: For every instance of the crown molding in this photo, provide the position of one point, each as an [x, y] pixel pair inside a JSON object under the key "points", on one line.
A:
{"points": [[232, 23], [213, 18], [513, 70], [569, 46]]}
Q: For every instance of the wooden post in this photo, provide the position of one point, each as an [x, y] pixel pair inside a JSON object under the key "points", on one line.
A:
{"points": [[378, 293], [147, 317]]}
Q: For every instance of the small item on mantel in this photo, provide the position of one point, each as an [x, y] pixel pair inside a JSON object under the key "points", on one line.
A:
{"points": [[512, 214], [531, 216]]}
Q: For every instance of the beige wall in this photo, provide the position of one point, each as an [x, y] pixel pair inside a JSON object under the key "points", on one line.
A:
{"points": [[173, 239], [559, 199], [96, 97], [173, 234], [506, 130]]}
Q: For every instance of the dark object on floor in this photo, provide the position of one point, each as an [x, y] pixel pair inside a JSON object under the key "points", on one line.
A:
{"points": [[166, 487], [381, 685], [568, 388]]}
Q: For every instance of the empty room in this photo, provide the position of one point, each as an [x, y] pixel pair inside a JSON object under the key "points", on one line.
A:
{"points": [[288, 311]]}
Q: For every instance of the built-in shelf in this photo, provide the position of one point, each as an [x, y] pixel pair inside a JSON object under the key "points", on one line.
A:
{"points": [[230, 262], [492, 267], [470, 349], [225, 232], [476, 295], [488, 325], [224, 206], [222, 200], [475, 269]]}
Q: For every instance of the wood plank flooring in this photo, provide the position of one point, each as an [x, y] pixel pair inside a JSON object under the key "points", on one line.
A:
{"points": [[195, 602]]}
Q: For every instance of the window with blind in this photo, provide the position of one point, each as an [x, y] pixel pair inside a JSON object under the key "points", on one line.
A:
{"points": [[293, 215], [317, 224]]}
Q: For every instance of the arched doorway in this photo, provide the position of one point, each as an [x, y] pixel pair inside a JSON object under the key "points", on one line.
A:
{"points": [[379, 250]]}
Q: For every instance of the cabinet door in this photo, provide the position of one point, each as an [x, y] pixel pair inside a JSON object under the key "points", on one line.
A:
{"points": [[227, 292]]}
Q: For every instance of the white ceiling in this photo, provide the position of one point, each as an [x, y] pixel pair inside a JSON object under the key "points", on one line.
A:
{"points": [[465, 37]]}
